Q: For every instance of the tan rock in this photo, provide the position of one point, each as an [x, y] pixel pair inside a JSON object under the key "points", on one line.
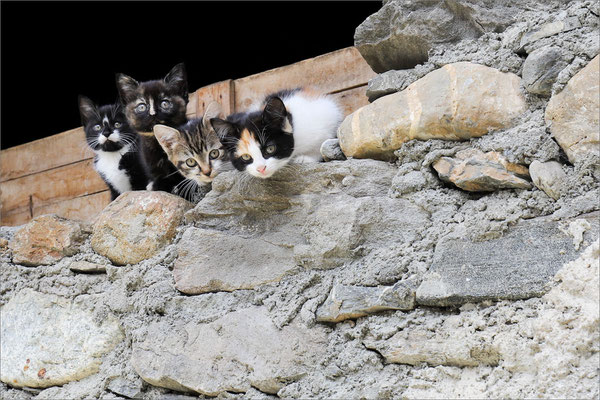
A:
{"points": [[137, 225], [573, 114], [47, 239], [473, 171], [456, 102], [87, 267], [548, 176]]}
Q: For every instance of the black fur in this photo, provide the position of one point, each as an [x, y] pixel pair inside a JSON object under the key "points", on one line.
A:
{"points": [[131, 162], [172, 89]]}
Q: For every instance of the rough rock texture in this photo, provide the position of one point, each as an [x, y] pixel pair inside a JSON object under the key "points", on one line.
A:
{"points": [[395, 80], [541, 68], [137, 225], [470, 100], [574, 114], [475, 171], [549, 177], [57, 340], [346, 302], [87, 267], [330, 150], [47, 239], [240, 350]]}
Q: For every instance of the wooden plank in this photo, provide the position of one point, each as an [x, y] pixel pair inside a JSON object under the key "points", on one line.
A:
{"points": [[332, 72], [46, 187], [221, 92], [352, 99], [43, 154], [192, 105]]}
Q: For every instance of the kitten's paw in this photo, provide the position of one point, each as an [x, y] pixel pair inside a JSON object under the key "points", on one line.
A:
{"points": [[306, 159], [150, 186]]}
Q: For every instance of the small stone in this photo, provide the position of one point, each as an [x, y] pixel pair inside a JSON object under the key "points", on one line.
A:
{"points": [[3, 244], [48, 340], [548, 177], [541, 68], [330, 150], [87, 267], [474, 171], [345, 302], [411, 182], [548, 29], [395, 80], [47, 239], [456, 102], [573, 115], [137, 225], [126, 388]]}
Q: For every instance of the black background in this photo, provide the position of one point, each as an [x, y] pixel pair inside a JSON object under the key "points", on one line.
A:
{"points": [[54, 51]]}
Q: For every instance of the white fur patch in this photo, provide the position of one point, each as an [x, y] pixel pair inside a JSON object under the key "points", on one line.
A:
{"points": [[107, 164], [102, 139], [114, 137]]}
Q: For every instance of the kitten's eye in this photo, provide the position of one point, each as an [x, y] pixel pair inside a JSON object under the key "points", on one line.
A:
{"points": [[140, 108], [117, 124], [246, 157], [97, 127], [271, 149], [214, 154], [165, 104], [190, 162]]}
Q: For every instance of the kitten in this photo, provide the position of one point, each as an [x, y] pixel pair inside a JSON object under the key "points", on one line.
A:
{"points": [[156, 102], [115, 146], [290, 125], [196, 151]]}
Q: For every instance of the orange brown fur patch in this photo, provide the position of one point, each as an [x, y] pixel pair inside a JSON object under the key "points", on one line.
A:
{"points": [[243, 147]]}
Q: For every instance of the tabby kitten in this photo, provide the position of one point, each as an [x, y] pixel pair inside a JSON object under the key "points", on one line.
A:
{"points": [[289, 125], [115, 147], [196, 151], [156, 102]]}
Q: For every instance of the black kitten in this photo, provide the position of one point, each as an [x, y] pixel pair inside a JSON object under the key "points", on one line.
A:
{"points": [[156, 102], [115, 146]]}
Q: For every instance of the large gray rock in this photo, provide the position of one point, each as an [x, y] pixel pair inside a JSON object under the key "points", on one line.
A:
{"points": [[401, 33], [541, 68], [548, 29], [48, 340], [395, 80], [518, 265], [240, 350], [317, 215]]}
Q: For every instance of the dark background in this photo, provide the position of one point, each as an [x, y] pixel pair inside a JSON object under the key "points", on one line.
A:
{"points": [[54, 51]]}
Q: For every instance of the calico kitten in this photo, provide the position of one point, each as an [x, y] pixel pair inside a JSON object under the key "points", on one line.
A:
{"points": [[115, 146], [196, 151], [156, 102], [290, 125]]}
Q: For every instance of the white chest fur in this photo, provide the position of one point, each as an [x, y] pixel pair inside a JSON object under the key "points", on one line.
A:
{"points": [[107, 164]]}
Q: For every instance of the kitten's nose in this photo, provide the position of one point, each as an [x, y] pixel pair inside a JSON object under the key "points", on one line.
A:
{"points": [[261, 169], [206, 171]]}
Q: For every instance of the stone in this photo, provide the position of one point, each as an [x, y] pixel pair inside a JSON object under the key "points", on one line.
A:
{"points": [[456, 102], [47, 239], [126, 388], [395, 80], [87, 267], [257, 231], [419, 346], [573, 115], [548, 29], [136, 225], [541, 68], [548, 177], [518, 265], [240, 350], [401, 33], [475, 171], [346, 302], [47, 340], [330, 150]]}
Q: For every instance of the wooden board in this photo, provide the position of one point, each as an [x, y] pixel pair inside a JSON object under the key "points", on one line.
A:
{"points": [[62, 183], [44, 154], [352, 99], [330, 73], [221, 92], [190, 111]]}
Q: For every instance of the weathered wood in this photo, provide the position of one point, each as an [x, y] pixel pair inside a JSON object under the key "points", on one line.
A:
{"points": [[57, 184], [44, 154], [190, 111], [352, 99], [329, 73], [221, 92]]}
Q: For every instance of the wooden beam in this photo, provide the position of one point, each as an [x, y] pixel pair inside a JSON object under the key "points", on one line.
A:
{"points": [[221, 92], [352, 99], [192, 105], [330, 73]]}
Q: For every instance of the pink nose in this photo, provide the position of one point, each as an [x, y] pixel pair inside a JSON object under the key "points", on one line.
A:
{"points": [[261, 169]]}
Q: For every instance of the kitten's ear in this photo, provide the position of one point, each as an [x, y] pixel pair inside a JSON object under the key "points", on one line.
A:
{"points": [[213, 110], [275, 113], [127, 87], [87, 109], [223, 128], [167, 137], [177, 79]]}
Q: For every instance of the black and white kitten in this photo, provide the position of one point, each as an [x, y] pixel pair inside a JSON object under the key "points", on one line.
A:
{"points": [[154, 102], [115, 147], [288, 125], [196, 151]]}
